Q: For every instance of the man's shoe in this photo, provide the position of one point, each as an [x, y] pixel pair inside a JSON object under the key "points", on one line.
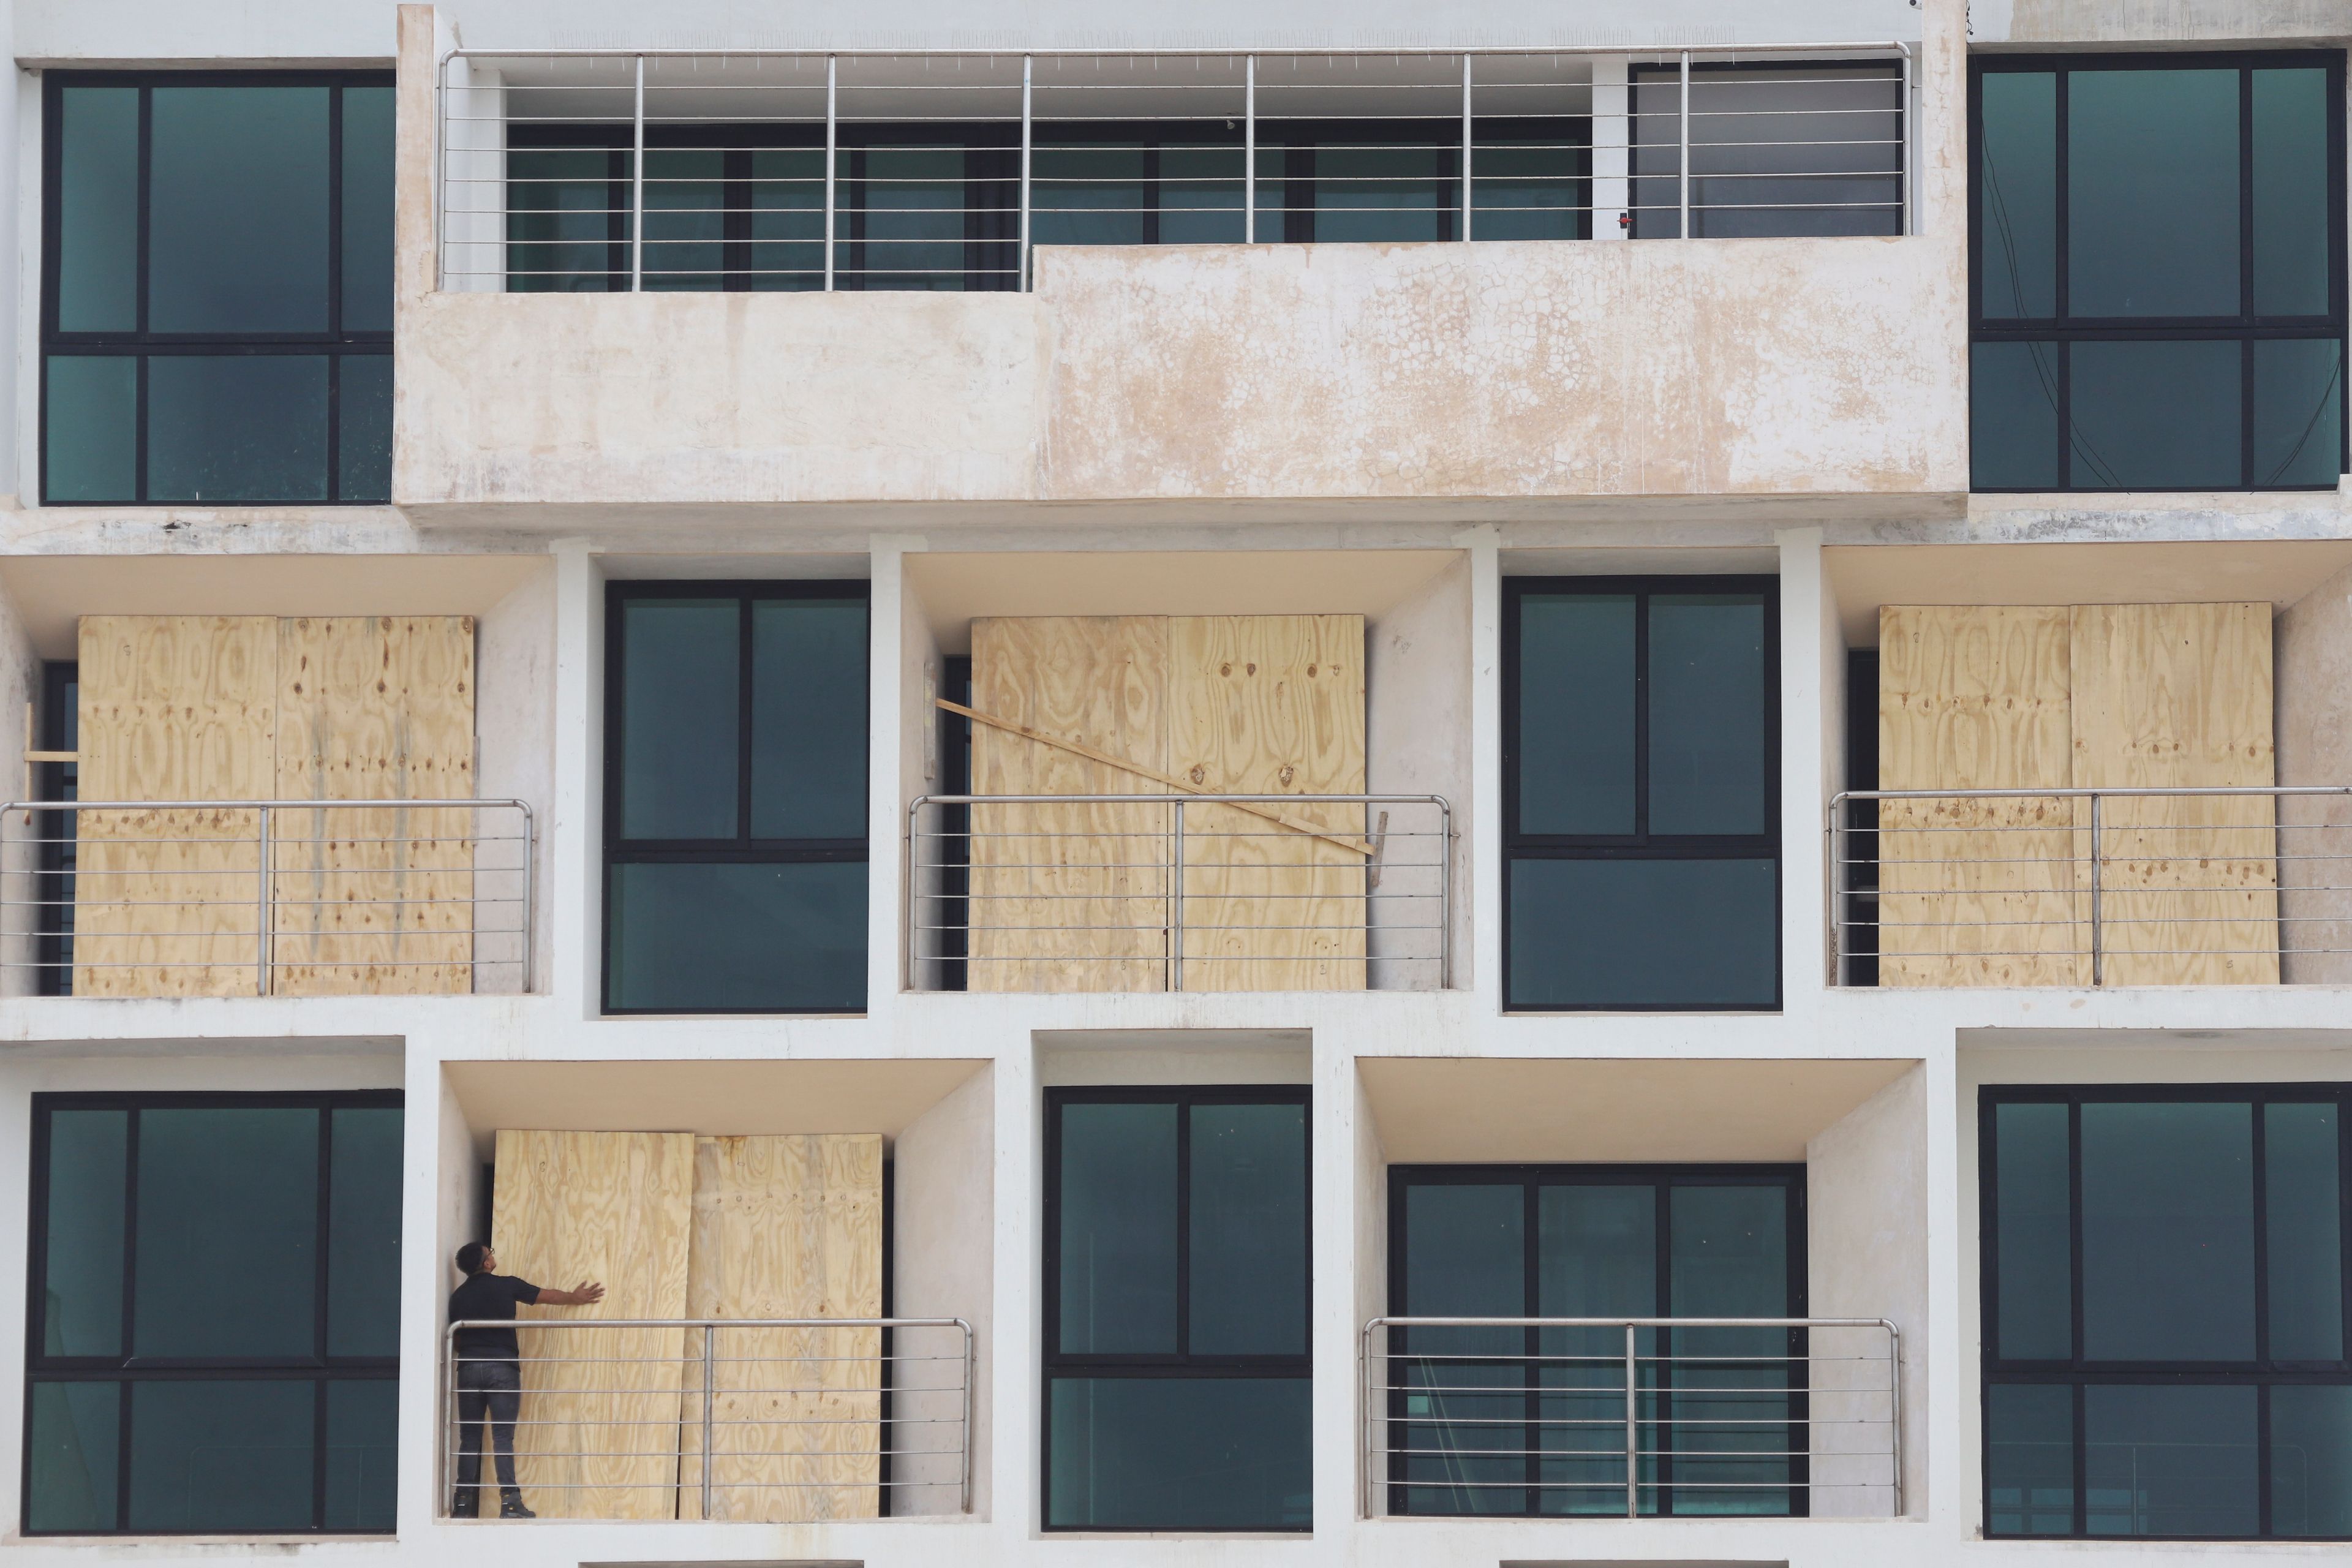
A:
{"points": [[510, 1507], [467, 1504]]}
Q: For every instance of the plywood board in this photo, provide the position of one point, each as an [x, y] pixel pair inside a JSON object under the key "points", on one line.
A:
{"points": [[1269, 704], [2179, 696], [786, 1227], [601, 1407], [1976, 892], [168, 903], [374, 902], [1069, 897]]}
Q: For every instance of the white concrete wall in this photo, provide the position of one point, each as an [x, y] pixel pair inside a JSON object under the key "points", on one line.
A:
{"points": [[943, 1204], [514, 726], [1417, 675]]}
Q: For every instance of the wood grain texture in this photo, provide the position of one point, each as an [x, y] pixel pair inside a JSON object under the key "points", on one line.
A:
{"points": [[167, 904], [601, 1407], [375, 903], [1269, 704], [1069, 898], [1976, 892], [2174, 696], [787, 1227]]}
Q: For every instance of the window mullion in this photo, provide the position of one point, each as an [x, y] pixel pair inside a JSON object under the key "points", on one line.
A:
{"points": [[1184, 1227]]}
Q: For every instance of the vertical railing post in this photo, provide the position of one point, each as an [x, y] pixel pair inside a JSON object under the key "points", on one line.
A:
{"points": [[261, 909], [832, 129], [1633, 1429], [1445, 896], [1249, 149], [971, 1375], [709, 1399], [1894, 1408], [1027, 91], [1834, 879], [2097, 965], [530, 900], [638, 187], [1468, 141], [1684, 168], [1176, 906], [1909, 148]]}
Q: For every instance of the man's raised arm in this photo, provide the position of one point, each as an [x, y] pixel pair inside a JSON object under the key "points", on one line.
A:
{"points": [[587, 1293]]}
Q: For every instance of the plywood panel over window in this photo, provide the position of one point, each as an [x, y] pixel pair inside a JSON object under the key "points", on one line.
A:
{"points": [[1976, 892], [787, 1227], [168, 903], [2168, 697], [599, 1437], [377, 902]]}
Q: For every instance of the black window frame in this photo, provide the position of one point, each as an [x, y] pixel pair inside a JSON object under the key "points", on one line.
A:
{"points": [[1642, 844], [2062, 330], [2262, 1373], [1532, 1177], [742, 849], [1053, 1362], [334, 344], [129, 1370]]}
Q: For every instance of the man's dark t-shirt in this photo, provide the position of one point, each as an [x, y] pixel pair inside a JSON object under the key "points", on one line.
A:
{"points": [[489, 1296]]}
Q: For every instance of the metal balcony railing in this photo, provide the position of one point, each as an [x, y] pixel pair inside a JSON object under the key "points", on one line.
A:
{"points": [[602, 170], [261, 898], [772, 1420], [1179, 892], [1633, 1418], [2091, 886]]}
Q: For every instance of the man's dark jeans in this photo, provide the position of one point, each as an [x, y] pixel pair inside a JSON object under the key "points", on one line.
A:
{"points": [[492, 1389]]}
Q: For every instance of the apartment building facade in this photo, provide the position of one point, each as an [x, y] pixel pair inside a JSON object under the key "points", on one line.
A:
{"points": [[1532, 785]]}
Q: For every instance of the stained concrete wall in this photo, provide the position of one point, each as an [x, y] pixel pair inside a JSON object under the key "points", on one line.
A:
{"points": [[2197, 22], [2312, 677]]}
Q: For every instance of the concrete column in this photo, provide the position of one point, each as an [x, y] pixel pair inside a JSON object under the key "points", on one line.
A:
{"points": [[1612, 101], [573, 836], [1478, 962]]}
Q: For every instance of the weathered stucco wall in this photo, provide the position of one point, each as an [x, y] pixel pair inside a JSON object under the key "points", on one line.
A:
{"points": [[2075, 22]]}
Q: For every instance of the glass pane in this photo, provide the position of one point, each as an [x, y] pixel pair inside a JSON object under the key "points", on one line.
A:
{"points": [[1576, 713], [1466, 1255], [2014, 416], [1118, 1229], [788, 218], [1201, 197], [1656, 99], [1091, 194], [1596, 1257], [1644, 933], [563, 232], [1728, 1250], [2291, 114], [685, 219], [92, 451], [2017, 182], [363, 1233], [1276, 197], [1596, 1251], [83, 1268], [237, 210], [740, 938], [2034, 1226], [2169, 1460], [2303, 1220], [808, 718], [1181, 1453], [363, 1453], [1794, 150], [2029, 1459], [2156, 416], [75, 1455], [228, 1233], [2152, 193], [98, 210], [1387, 192], [681, 662], [2298, 411], [237, 427], [364, 439], [367, 209], [2168, 1232], [1532, 186], [912, 218], [221, 1456], [1709, 703], [1248, 1276], [2311, 1460]]}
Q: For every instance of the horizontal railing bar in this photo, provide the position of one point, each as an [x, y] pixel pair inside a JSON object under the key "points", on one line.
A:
{"points": [[1401, 1322], [721, 1323], [1663, 53]]}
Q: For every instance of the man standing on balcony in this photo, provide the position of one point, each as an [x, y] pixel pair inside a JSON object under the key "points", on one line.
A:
{"points": [[490, 1371]]}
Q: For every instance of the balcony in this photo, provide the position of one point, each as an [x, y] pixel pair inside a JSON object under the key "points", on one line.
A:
{"points": [[996, 278], [1636, 1417], [772, 1420]]}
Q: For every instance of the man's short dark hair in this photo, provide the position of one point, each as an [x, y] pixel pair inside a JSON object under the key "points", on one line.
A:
{"points": [[470, 1255]]}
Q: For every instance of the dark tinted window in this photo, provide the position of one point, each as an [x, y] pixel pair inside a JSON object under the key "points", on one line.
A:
{"points": [[1809, 148], [217, 317], [1177, 1287], [213, 1221]]}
